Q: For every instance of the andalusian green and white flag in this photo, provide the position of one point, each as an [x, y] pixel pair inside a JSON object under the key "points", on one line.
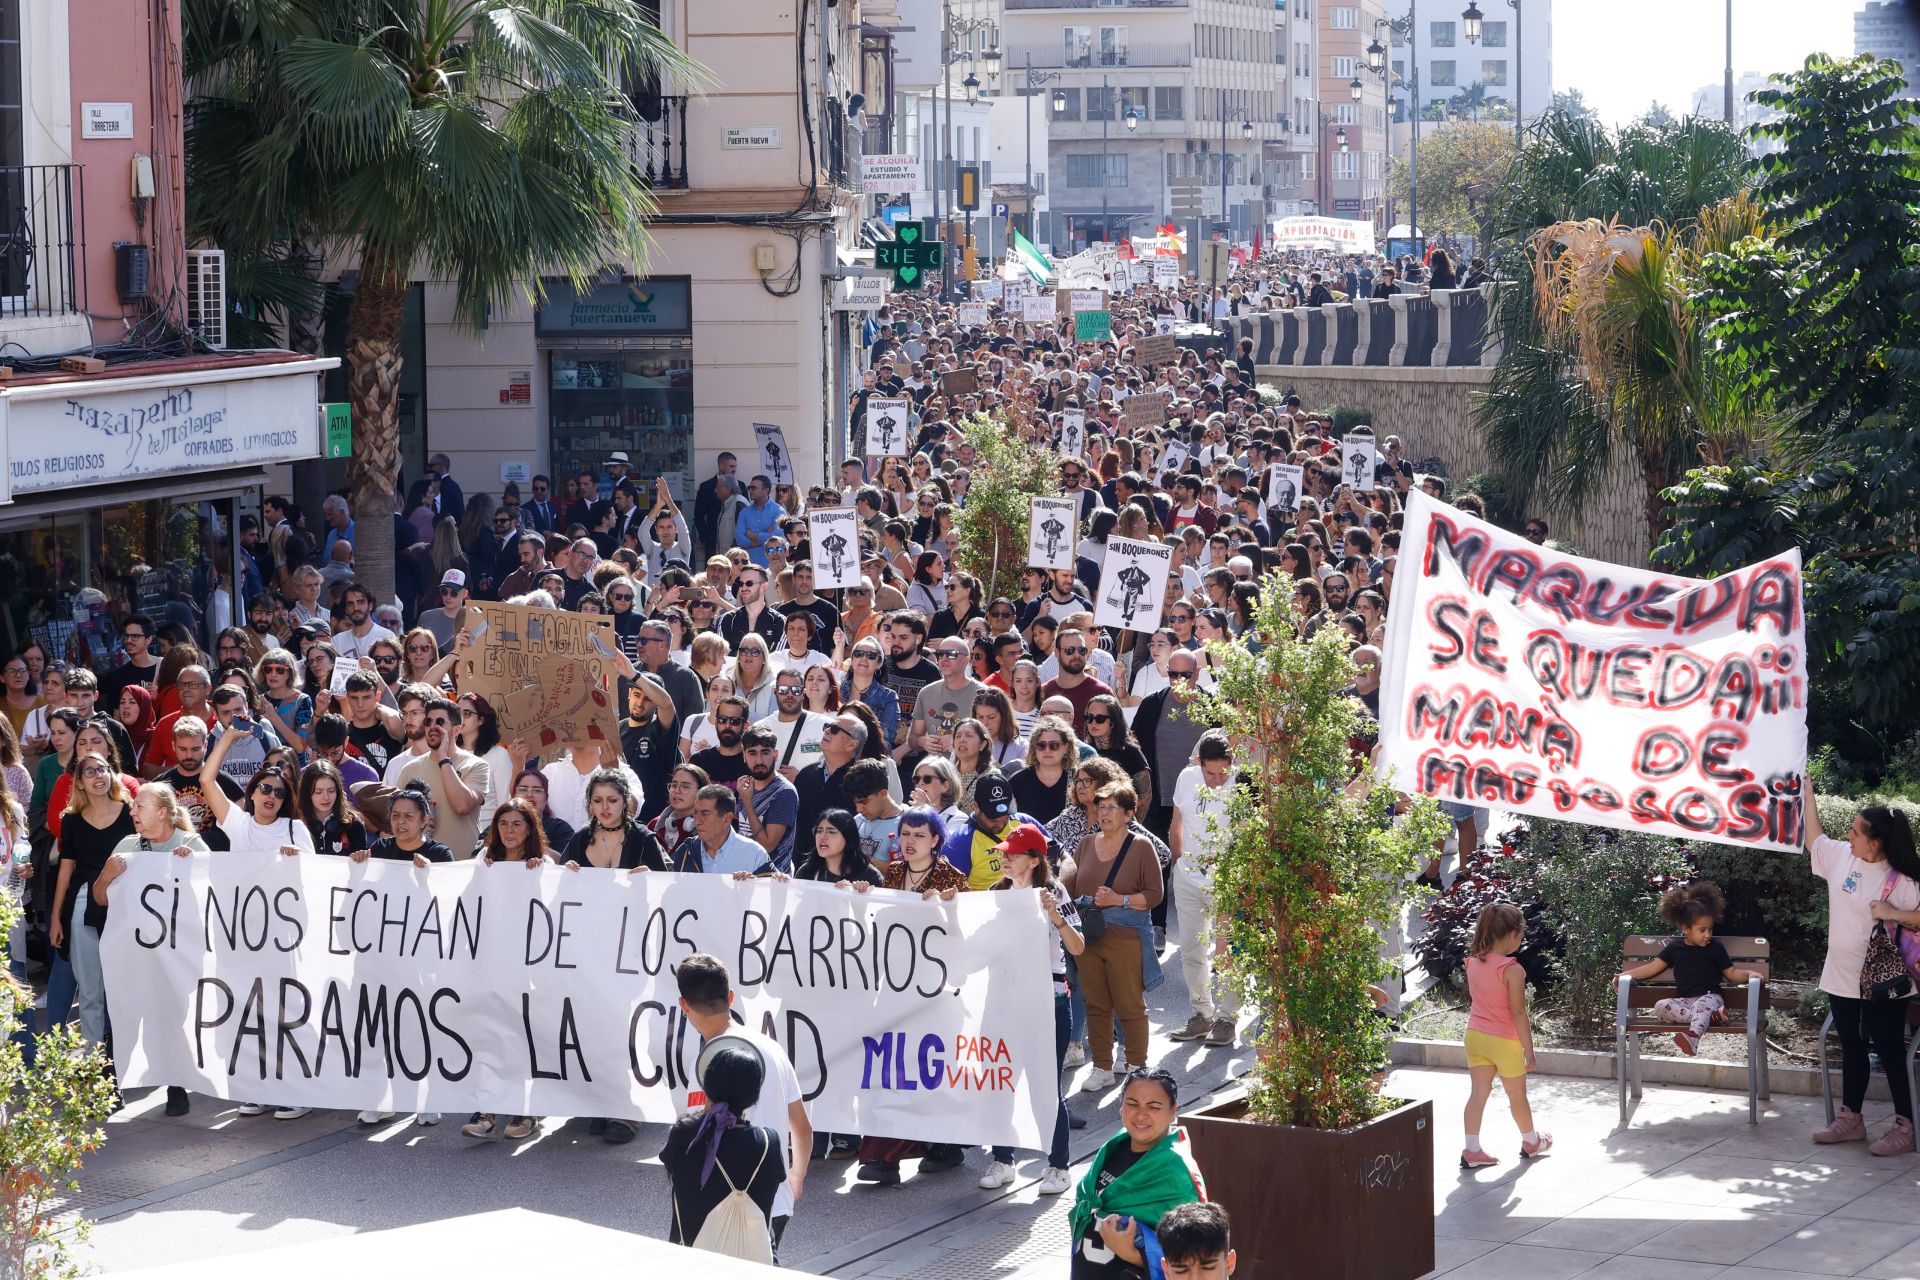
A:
{"points": [[1038, 265]]}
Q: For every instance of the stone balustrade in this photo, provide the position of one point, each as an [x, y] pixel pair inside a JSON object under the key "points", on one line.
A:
{"points": [[1445, 328]]}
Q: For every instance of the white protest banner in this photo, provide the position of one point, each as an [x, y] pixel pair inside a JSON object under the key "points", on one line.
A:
{"points": [[834, 533], [887, 427], [337, 682], [1178, 452], [1086, 300], [1542, 683], [1073, 434], [1037, 308], [1358, 457], [1140, 273], [1133, 584], [1283, 487], [324, 982], [987, 291], [775, 461], [1163, 326], [1166, 272], [1053, 530], [890, 175], [1340, 235], [973, 313]]}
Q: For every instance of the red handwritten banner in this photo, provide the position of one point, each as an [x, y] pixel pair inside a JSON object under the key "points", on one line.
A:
{"points": [[1525, 679]]}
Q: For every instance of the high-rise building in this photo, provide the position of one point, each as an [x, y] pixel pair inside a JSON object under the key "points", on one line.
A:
{"points": [[1891, 29], [1710, 101], [1512, 59], [1351, 111]]}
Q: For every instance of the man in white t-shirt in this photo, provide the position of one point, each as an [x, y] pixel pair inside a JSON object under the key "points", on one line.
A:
{"points": [[706, 1000], [361, 630], [1195, 836]]}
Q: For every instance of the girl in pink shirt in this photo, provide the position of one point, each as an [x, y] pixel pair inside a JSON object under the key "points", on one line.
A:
{"points": [[1499, 1038]]}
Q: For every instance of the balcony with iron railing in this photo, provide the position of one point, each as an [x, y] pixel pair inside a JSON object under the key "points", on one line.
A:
{"points": [[657, 143], [1098, 4], [42, 242], [1055, 57]]}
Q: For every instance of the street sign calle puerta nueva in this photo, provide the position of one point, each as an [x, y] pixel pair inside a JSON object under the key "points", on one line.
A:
{"points": [[908, 255]]}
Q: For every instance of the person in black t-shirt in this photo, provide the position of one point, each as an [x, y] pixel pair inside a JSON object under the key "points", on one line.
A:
{"points": [[407, 813], [726, 764], [1698, 960], [190, 749], [647, 741]]}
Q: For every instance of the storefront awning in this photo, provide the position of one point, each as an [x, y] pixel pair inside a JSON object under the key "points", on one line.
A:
{"points": [[69, 436]]}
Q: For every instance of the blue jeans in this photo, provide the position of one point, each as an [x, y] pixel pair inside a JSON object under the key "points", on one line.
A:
{"points": [[60, 993], [17, 966], [1057, 1153]]}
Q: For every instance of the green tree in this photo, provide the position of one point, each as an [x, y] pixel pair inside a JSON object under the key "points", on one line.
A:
{"points": [[480, 142], [1822, 318], [992, 525], [1467, 103], [1573, 103], [1547, 430], [1460, 169]]}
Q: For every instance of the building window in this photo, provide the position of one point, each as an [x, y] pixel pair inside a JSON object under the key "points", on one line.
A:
{"points": [[1442, 69], [1493, 71], [1346, 165], [1306, 168], [1071, 111], [1493, 35], [1085, 171], [1343, 68], [1094, 46], [1441, 35], [1100, 101], [1400, 68], [1343, 113], [1133, 98], [1167, 104], [1345, 17]]}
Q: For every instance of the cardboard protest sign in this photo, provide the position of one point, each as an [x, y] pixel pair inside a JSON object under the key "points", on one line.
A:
{"points": [[887, 435], [1284, 486], [986, 291], [959, 382], [1092, 326], [973, 314], [834, 533], [1358, 457], [1146, 410], [1157, 350], [1053, 532], [1133, 584], [1073, 432], [548, 673], [1037, 309], [1166, 272], [1541, 683], [776, 462], [329, 983]]}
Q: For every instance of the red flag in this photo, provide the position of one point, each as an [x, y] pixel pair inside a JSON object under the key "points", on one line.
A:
{"points": [[1125, 251]]}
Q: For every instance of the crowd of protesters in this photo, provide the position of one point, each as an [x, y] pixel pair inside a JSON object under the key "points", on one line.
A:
{"points": [[907, 735]]}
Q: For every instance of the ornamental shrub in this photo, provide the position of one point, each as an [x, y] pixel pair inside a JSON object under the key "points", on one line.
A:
{"points": [[1311, 869], [1506, 872], [1597, 886], [1007, 470]]}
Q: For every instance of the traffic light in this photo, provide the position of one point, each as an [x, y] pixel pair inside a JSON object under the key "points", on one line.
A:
{"points": [[967, 199]]}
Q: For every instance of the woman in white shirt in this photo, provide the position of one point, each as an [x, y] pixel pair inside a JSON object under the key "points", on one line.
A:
{"points": [[697, 734], [264, 819], [1872, 875]]}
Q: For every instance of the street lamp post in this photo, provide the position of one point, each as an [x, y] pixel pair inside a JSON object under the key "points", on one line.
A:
{"points": [[1106, 177], [1059, 104], [1246, 131], [1377, 60], [1470, 22]]}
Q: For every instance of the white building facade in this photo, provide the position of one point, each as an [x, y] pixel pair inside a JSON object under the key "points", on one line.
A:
{"points": [[1511, 61]]}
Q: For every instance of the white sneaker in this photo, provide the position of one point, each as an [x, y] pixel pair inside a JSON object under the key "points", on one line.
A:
{"points": [[1120, 1067], [998, 1175], [253, 1108], [426, 1118], [292, 1113], [1076, 1055], [1054, 1182], [1097, 1081], [375, 1117]]}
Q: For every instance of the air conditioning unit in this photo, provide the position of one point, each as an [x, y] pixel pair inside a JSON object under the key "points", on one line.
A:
{"points": [[207, 296]]}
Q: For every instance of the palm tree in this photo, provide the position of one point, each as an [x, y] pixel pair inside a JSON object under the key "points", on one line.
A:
{"points": [[1469, 101], [1551, 429], [480, 142]]}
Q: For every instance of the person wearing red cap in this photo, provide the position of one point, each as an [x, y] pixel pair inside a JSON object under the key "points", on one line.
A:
{"points": [[1028, 869]]}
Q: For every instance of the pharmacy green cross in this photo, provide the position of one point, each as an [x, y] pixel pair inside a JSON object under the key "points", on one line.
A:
{"points": [[908, 256]]}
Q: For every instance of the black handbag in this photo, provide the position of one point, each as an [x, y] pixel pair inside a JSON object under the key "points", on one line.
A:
{"points": [[1093, 920], [1883, 973]]}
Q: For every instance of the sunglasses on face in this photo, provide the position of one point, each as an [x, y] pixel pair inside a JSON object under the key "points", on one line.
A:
{"points": [[951, 653], [1048, 746], [1072, 653], [1180, 675], [729, 719], [787, 688], [929, 778], [268, 789], [834, 729], [621, 597], [1099, 719]]}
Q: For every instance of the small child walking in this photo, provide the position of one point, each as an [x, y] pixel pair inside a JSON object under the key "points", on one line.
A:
{"points": [[1499, 1038], [1698, 961]]}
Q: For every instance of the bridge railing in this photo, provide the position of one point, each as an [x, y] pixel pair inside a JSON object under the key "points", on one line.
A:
{"points": [[1448, 327]]}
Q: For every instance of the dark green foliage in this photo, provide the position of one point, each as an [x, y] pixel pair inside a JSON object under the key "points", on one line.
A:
{"points": [[1346, 417], [1496, 873]]}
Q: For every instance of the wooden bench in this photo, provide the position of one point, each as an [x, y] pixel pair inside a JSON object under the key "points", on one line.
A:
{"points": [[1746, 1014], [1827, 1036]]}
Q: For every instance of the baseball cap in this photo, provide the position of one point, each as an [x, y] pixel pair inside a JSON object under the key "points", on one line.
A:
{"points": [[992, 796], [617, 456], [453, 578], [1024, 838]]}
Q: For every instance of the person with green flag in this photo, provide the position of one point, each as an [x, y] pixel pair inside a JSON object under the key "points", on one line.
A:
{"points": [[1136, 1176], [1027, 255]]}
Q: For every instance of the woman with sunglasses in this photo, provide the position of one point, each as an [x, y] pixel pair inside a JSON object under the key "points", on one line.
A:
{"points": [[289, 711], [1028, 870], [700, 732], [319, 663], [961, 606], [936, 786], [420, 660], [1109, 735], [673, 826], [1040, 783], [480, 733], [531, 785], [267, 817], [862, 684], [753, 675], [97, 819]]}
